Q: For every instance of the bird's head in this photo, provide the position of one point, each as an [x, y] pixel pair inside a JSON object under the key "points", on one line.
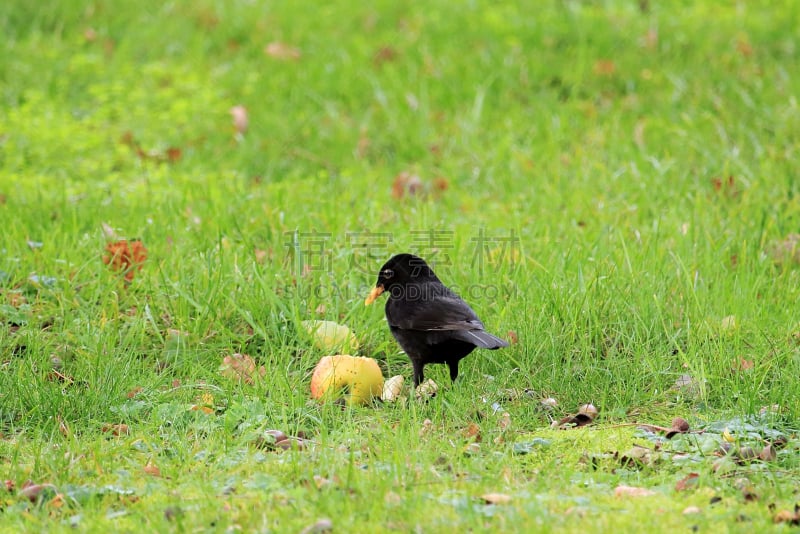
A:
{"points": [[399, 271]]}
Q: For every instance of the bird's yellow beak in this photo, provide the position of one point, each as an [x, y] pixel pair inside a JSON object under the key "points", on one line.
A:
{"points": [[375, 293]]}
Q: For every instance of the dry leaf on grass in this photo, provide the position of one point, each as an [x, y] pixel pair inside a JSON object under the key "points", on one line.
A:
{"points": [[688, 482], [241, 367], [126, 256], [152, 470], [116, 430], [407, 184], [384, 54], [786, 516], [604, 67], [472, 432], [585, 416], [505, 421]]}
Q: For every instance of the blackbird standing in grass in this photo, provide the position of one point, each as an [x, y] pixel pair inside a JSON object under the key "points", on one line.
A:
{"points": [[430, 322]]}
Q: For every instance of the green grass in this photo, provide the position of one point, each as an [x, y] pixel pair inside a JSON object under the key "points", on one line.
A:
{"points": [[587, 149]]}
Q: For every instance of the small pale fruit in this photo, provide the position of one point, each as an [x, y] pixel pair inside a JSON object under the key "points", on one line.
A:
{"points": [[427, 389], [392, 388], [356, 379], [329, 335]]}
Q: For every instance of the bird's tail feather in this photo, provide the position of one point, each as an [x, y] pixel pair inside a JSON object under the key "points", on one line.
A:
{"points": [[482, 339]]}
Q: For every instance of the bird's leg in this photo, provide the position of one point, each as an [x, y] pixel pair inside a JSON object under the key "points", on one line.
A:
{"points": [[453, 365], [418, 374]]}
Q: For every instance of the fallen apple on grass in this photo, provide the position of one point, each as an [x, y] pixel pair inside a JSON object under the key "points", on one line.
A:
{"points": [[355, 379], [329, 335]]}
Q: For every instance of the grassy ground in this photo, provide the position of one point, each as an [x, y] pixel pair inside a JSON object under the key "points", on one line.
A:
{"points": [[612, 182]]}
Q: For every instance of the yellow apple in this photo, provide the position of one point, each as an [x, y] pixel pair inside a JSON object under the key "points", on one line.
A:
{"points": [[356, 379], [328, 335]]}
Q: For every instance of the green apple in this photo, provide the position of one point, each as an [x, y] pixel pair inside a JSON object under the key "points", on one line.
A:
{"points": [[328, 335]]}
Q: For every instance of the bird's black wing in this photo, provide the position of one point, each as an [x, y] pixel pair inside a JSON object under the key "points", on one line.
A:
{"points": [[444, 312]]}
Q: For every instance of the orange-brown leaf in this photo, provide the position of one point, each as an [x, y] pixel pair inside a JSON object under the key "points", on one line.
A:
{"points": [[152, 470], [126, 256], [687, 482]]}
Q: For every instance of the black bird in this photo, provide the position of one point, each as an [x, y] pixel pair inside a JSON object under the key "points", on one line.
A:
{"points": [[430, 322]]}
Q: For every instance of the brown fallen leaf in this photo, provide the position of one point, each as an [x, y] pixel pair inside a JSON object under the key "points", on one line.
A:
{"points": [[440, 185], [785, 516], [406, 184], [725, 186], [688, 482], [744, 47], [472, 431], [496, 498], [126, 256], [505, 421], [63, 428], [174, 154], [385, 54], [604, 67], [116, 430], [679, 426], [585, 416], [55, 376], [241, 367], [743, 365], [152, 470]]}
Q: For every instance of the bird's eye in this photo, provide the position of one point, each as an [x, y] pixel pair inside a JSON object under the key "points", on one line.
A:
{"points": [[387, 273]]}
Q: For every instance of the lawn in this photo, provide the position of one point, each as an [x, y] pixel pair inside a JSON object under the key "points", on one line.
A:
{"points": [[612, 186]]}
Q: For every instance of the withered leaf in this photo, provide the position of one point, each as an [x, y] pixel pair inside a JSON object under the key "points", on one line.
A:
{"points": [[241, 367], [152, 470], [688, 482], [472, 431], [126, 256], [604, 67], [116, 430]]}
